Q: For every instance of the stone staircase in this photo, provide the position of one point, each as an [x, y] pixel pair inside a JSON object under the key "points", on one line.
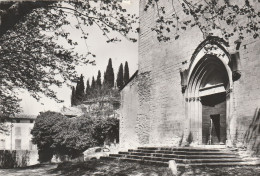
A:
{"points": [[183, 156]]}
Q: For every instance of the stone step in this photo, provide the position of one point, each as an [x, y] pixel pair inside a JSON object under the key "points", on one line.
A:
{"points": [[203, 153], [164, 163], [178, 156], [178, 149], [179, 160], [182, 156], [223, 164], [182, 152], [157, 163]]}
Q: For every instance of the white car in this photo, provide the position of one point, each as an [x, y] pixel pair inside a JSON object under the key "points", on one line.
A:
{"points": [[95, 153]]}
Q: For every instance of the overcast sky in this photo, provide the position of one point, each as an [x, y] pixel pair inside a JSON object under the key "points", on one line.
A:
{"points": [[119, 52]]}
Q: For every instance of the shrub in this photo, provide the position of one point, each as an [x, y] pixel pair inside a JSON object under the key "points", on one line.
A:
{"points": [[56, 134]]}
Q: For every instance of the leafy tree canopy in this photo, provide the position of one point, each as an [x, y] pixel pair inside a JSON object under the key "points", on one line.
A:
{"points": [[56, 134], [231, 18], [32, 60], [28, 55]]}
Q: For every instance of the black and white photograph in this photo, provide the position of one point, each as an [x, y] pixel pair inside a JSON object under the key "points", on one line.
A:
{"points": [[130, 87]]}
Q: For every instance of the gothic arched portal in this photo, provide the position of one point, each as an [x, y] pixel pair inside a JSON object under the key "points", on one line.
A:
{"points": [[208, 106]]}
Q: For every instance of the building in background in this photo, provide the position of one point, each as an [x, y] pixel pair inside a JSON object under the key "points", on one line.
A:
{"points": [[19, 135]]}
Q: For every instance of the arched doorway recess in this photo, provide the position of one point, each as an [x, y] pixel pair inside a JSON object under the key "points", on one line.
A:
{"points": [[208, 102]]}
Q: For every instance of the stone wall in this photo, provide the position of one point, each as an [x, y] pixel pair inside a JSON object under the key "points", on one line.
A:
{"points": [[18, 158], [164, 60], [128, 117], [161, 117], [247, 97]]}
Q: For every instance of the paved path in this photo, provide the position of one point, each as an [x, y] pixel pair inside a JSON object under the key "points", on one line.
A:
{"points": [[37, 170]]}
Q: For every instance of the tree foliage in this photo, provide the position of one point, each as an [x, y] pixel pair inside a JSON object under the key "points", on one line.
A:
{"points": [[56, 134], [80, 88], [93, 84], [109, 76], [75, 136], [88, 89], [73, 97], [228, 17], [106, 129], [98, 81], [126, 73], [120, 77], [45, 128], [31, 59]]}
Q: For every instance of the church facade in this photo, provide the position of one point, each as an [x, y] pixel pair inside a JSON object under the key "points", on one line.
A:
{"points": [[187, 94]]}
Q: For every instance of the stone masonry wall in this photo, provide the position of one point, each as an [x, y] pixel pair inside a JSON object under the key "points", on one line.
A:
{"points": [[128, 118], [160, 117], [163, 61], [246, 124]]}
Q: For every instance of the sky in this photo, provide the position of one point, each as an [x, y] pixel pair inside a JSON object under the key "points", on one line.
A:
{"points": [[119, 53]]}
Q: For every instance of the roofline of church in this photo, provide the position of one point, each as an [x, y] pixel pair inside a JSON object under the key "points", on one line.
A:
{"points": [[130, 79]]}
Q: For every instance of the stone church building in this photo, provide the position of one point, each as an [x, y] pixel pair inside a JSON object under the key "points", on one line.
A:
{"points": [[185, 94]]}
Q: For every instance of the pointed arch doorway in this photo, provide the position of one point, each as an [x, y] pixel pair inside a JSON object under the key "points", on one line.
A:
{"points": [[207, 101]]}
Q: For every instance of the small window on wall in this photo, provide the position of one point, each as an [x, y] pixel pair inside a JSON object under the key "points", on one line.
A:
{"points": [[31, 121], [18, 131], [18, 143], [18, 121], [2, 144]]}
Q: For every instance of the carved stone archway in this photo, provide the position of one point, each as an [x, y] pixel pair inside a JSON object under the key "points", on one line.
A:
{"points": [[209, 75]]}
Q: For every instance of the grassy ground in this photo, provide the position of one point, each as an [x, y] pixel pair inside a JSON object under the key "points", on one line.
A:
{"points": [[117, 168]]}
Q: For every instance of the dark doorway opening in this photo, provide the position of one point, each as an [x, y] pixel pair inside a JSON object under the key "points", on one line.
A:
{"points": [[214, 118], [215, 129]]}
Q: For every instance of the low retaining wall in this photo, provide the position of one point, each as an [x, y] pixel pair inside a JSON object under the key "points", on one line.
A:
{"points": [[17, 158]]}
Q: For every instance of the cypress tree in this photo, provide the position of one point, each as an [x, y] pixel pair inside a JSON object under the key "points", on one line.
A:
{"points": [[88, 89], [73, 100], [93, 84], [120, 77], [104, 78], [126, 74], [80, 88], [98, 81], [77, 90], [109, 75]]}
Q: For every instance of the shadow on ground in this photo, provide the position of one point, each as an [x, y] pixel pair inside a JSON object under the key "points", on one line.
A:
{"points": [[110, 168], [117, 168]]}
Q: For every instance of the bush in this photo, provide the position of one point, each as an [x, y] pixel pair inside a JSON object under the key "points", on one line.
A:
{"points": [[106, 130], [56, 134], [46, 126]]}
